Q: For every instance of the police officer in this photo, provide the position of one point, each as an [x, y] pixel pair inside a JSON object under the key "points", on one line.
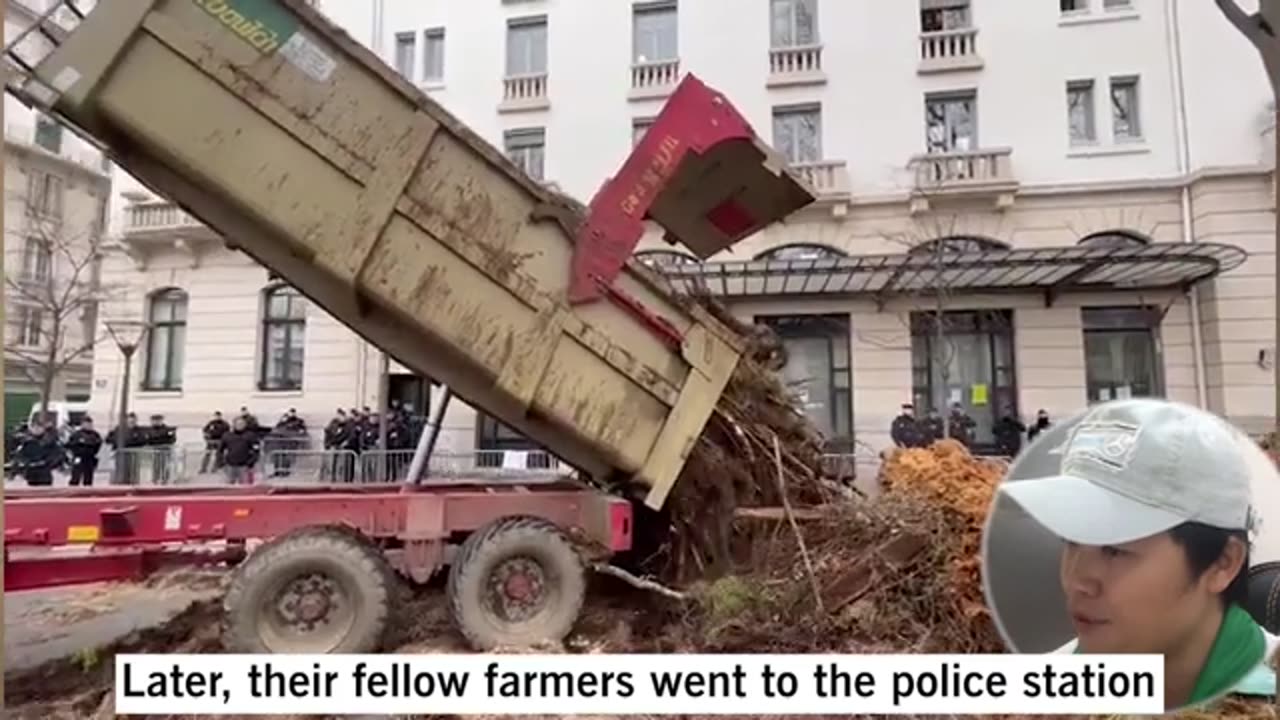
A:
{"points": [[905, 430], [161, 437], [1041, 424], [962, 426], [83, 445], [213, 432], [41, 454]]}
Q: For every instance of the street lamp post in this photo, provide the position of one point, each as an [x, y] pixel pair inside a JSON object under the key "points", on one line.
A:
{"points": [[128, 336]]}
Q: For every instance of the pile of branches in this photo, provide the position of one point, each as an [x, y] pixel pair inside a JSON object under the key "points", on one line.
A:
{"points": [[946, 476], [757, 446], [880, 584]]}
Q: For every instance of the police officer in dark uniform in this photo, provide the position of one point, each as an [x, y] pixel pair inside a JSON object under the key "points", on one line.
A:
{"points": [[905, 430], [337, 437], [1042, 423], [931, 427], [961, 425], [1008, 434], [214, 430], [41, 454], [134, 438], [83, 446], [162, 437]]}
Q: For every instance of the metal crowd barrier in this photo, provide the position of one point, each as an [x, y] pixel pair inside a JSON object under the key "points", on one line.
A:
{"points": [[194, 464], [392, 466], [142, 466]]}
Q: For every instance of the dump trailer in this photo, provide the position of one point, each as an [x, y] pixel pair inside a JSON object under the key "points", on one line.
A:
{"points": [[303, 150]]}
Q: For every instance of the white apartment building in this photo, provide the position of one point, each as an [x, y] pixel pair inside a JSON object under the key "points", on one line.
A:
{"points": [[57, 192], [1089, 180]]}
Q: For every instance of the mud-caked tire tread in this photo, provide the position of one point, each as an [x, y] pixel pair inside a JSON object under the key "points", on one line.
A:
{"points": [[501, 539], [374, 580]]}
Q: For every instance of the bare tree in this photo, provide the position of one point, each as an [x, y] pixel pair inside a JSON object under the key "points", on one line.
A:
{"points": [[55, 290], [926, 239], [1262, 29]]}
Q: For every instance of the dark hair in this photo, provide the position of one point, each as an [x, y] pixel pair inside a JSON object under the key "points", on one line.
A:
{"points": [[1203, 545]]}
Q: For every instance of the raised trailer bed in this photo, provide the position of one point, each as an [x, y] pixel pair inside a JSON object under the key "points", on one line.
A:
{"points": [[323, 579]]}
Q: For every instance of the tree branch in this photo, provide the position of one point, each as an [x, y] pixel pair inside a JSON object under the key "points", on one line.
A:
{"points": [[70, 287], [1252, 27]]}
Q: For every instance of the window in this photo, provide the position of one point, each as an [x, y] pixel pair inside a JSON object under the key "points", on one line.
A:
{"points": [[28, 326], [526, 148], [1114, 240], [797, 133], [37, 259], [1122, 356], [942, 15], [1073, 6], [639, 127], [284, 327], [951, 122], [1080, 112], [433, 55], [166, 341], [800, 251], [493, 435], [958, 244], [1125, 121], [1117, 4], [44, 195], [976, 352], [527, 46], [405, 49], [654, 32], [48, 134], [817, 370], [658, 259], [793, 23]]}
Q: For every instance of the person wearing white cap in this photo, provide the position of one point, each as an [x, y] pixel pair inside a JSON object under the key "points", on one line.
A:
{"points": [[1153, 503]]}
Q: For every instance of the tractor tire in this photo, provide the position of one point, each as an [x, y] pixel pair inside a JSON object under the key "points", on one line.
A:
{"points": [[320, 589], [516, 561], [1264, 595]]}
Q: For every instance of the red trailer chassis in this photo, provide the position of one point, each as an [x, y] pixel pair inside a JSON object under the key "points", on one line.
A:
{"points": [[323, 579], [67, 537]]}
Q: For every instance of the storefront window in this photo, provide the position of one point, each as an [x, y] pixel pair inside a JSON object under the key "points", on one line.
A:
{"points": [[976, 351], [817, 371], [1122, 353]]}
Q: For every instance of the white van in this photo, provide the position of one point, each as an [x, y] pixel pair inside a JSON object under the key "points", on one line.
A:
{"points": [[66, 413]]}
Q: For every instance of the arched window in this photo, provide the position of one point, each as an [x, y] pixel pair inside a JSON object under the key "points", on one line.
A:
{"points": [[958, 245], [284, 334], [1114, 239], [658, 259], [801, 251], [166, 340]]}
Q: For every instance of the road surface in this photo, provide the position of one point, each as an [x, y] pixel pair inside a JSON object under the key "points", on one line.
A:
{"points": [[42, 625]]}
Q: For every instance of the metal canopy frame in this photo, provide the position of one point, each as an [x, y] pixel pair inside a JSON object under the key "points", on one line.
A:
{"points": [[1051, 271]]}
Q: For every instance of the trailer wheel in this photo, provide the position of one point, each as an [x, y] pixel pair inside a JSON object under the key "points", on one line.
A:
{"points": [[516, 582], [313, 590]]}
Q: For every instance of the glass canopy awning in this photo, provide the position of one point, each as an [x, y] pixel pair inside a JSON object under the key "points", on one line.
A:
{"points": [[1053, 271]]}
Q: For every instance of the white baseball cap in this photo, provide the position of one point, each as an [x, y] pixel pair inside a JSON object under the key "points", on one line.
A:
{"points": [[1136, 468]]}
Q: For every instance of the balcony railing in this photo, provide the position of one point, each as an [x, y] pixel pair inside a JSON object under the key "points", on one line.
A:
{"points": [[26, 135], [830, 178], [949, 50], [157, 216], [654, 78], [795, 65], [949, 172], [524, 91]]}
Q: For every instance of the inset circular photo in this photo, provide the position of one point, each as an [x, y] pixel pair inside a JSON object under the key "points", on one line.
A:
{"points": [[1138, 526]]}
